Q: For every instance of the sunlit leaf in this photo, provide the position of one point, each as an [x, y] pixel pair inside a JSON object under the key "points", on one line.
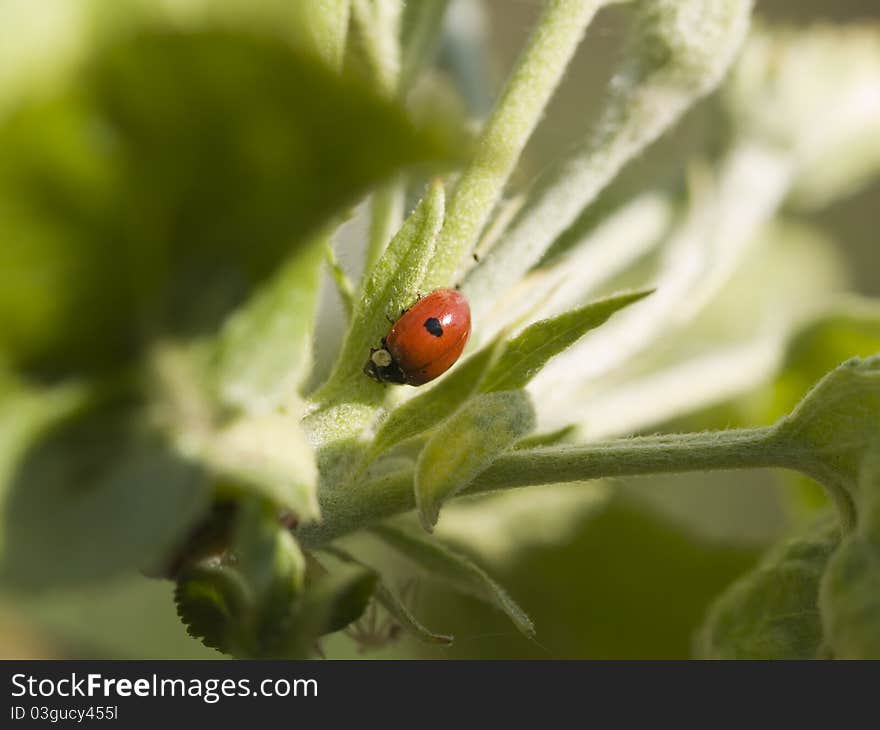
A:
{"points": [[426, 410], [183, 169], [267, 455], [265, 348], [392, 286], [465, 444], [529, 351]]}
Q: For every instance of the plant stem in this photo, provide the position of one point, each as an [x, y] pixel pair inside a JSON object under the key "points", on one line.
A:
{"points": [[359, 506], [522, 103], [343, 284], [734, 449], [657, 83]]}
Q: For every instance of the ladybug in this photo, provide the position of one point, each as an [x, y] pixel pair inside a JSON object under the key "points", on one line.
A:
{"points": [[425, 342]]}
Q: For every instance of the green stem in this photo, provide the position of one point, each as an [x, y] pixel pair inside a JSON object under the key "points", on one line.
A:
{"points": [[340, 278], [521, 106], [356, 507], [735, 449], [666, 72]]}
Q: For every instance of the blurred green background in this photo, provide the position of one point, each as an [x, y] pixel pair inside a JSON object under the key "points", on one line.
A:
{"points": [[671, 543]]}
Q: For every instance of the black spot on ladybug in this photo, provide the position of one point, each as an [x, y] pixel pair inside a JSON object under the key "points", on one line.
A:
{"points": [[432, 324]]}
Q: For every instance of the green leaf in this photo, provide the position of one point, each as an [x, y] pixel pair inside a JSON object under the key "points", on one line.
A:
{"points": [[339, 598], [264, 454], [259, 603], [393, 285], [833, 427], [344, 287], [467, 443], [850, 591], [869, 493], [265, 348], [773, 612], [375, 31], [323, 26], [266, 554], [176, 177], [26, 413], [529, 351], [211, 602], [98, 495], [850, 599], [268, 456], [455, 569], [551, 438], [249, 605], [427, 409]]}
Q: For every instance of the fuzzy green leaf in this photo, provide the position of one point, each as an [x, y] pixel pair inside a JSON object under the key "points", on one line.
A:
{"points": [[529, 351], [268, 456], [551, 438], [259, 605], [266, 554], [211, 600], [518, 110], [179, 174], [833, 427], [249, 606], [773, 612], [678, 51], [392, 286], [850, 591], [850, 599], [456, 570], [265, 349], [465, 444], [26, 413], [338, 598], [426, 410], [97, 495]]}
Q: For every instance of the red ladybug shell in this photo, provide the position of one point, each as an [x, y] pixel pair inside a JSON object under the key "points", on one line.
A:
{"points": [[430, 336]]}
